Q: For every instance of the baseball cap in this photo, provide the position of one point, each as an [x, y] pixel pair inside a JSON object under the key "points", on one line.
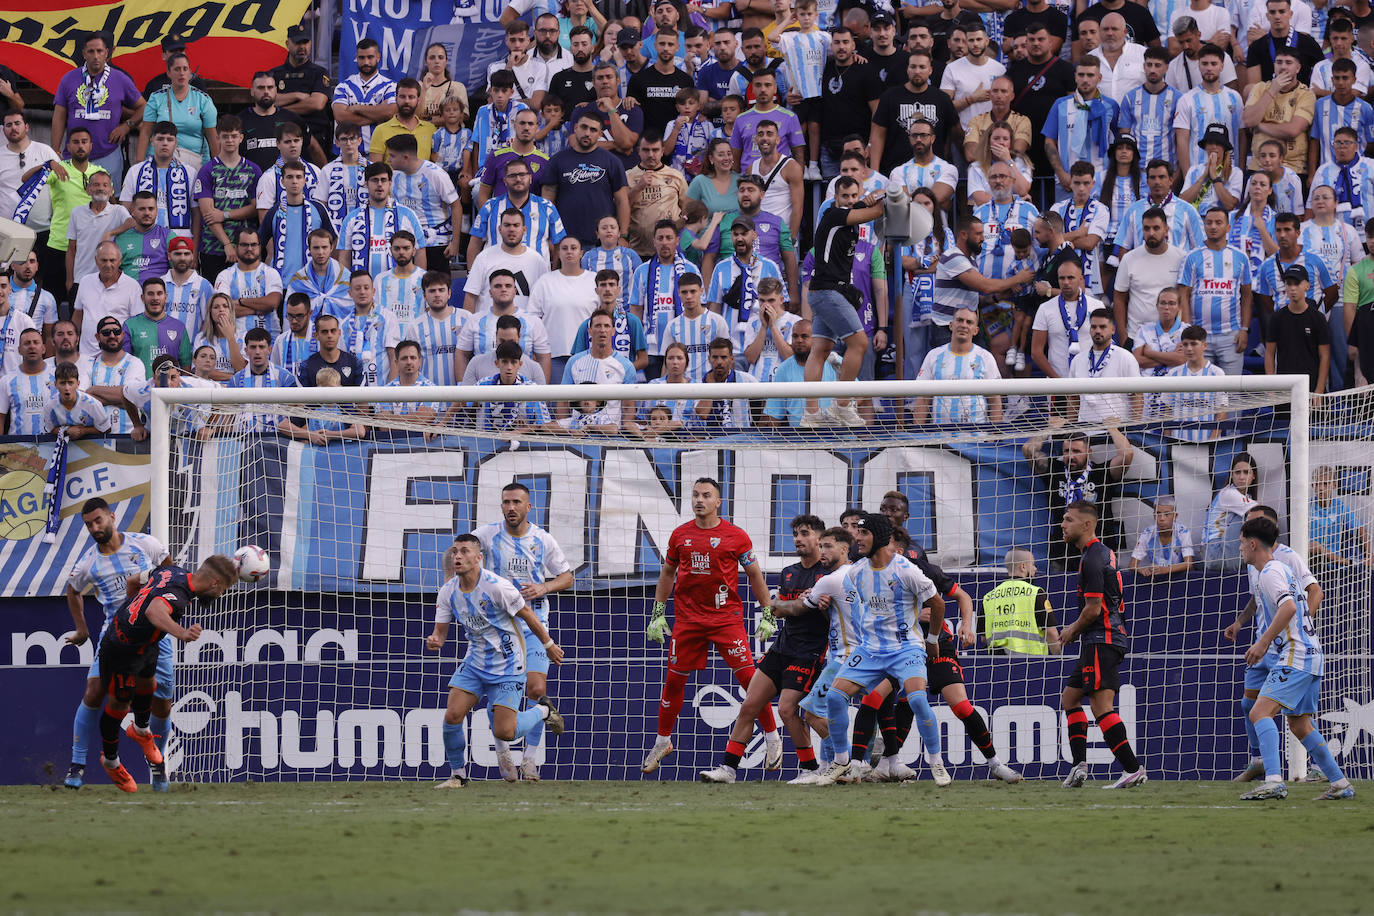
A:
{"points": [[173, 43], [1295, 273], [743, 224], [180, 243], [297, 34], [628, 38], [882, 19]]}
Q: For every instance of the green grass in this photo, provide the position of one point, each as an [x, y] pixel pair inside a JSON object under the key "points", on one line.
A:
{"points": [[685, 848]]}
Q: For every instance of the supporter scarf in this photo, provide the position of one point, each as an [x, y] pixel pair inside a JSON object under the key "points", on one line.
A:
{"points": [[92, 93], [749, 287], [176, 196], [622, 343], [320, 289], [1095, 363], [360, 235], [651, 310], [311, 179], [1072, 489], [347, 190], [1349, 191], [29, 192], [310, 221], [1165, 336], [1072, 326]]}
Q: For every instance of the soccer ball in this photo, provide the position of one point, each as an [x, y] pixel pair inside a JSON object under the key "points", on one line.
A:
{"points": [[252, 562]]}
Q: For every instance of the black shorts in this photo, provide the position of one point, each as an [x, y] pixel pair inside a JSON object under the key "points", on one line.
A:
{"points": [[789, 672], [1097, 668], [808, 110], [118, 662], [944, 670]]}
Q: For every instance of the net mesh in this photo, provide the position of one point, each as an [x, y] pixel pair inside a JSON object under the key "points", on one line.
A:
{"points": [[320, 672]]}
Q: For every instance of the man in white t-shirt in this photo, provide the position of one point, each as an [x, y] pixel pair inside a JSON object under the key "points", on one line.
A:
{"points": [[1105, 359], [531, 73], [524, 262], [1062, 322], [1143, 272], [563, 299], [109, 292], [967, 79]]}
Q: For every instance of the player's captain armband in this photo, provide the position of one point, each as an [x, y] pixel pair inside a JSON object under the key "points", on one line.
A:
{"points": [[747, 558]]}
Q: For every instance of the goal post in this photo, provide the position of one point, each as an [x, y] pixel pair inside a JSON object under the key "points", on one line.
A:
{"points": [[319, 672]]}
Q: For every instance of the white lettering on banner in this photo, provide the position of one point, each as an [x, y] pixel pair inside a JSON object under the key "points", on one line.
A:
{"points": [[634, 496], [362, 731], [755, 473], [951, 486], [51, 648], [390, 514], [566, 473]]}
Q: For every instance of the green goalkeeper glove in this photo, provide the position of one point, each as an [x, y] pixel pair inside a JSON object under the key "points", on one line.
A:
{"points": [[658, 624], [767, 626]]}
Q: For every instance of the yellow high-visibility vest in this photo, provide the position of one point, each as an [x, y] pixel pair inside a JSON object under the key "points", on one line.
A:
{"points": [[1009, 618]]}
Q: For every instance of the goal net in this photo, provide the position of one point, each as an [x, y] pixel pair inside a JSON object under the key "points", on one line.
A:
{"points": [[320, 671]]}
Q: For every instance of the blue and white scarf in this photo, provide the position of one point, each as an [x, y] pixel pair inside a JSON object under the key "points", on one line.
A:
{"points": [[651, 293], [311, 219], [312, 178], [30, 191], [177, 197], [360, 235], [748, 287], [344, 195]]}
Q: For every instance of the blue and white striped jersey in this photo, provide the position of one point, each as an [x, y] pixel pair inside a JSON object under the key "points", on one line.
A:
{"points": [[912, 175], [401, 297], [223, 361], [478, 335], [1151, 551], [1330, 116], [328, 291], [532, 558], [1269, 281], [108, 572], [262, 280], [624, 261], [502, 416], [430, 194], [375, 90], [943, 364], [189, 302], [542, 223], [492, 129], [832, 585], [583, 368], [23, 397], [1149, 118], [437, 336], [696, 334], [1185, 225], [1216, 278], [1185, 405], [660, 304], [87, 411], [259, 420], [405, 408], [882, 615], [496, 645], [1208, 199], [366, 235], [1198, 108], [1288, 190], [33, 301], [1297, 645], [368, 337], [99, 374], [728, 270], [999, 220], [289, 352], [804, 54], [452, 147], [762, 368], [1354, 187], [1338, 245], [1095, 217]]}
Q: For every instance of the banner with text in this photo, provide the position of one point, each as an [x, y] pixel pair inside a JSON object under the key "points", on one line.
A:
{"points": [[470, 30], [227, 41]]}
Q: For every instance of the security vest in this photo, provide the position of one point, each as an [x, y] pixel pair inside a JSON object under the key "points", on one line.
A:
{"points": [[1009, 618]]}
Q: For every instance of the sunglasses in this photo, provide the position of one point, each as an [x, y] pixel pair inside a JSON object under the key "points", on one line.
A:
{"points": [[111, 332]]}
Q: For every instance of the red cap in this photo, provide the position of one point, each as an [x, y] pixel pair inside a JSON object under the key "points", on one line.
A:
{"points": [[180, 243]]}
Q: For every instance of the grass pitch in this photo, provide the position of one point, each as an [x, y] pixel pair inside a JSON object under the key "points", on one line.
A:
{"points": [[975, 847]]}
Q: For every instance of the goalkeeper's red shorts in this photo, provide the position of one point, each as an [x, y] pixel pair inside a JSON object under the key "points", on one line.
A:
{"points": [[687, 650]]}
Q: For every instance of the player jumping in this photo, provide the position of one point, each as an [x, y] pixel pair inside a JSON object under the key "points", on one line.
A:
{"points": [[789, 667], [1288, 637], [527, 555], [1103, 630], [701, 572], [112, 566], [131, 647], [487, 606], [1256, 674], [880, 595]]}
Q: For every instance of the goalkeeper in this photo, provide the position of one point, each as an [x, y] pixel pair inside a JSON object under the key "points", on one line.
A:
{"points": [[701, 572], [788, 669]]}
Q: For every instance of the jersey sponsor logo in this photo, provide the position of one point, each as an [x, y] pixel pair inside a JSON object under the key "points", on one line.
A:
{"points": [[701, 563]]}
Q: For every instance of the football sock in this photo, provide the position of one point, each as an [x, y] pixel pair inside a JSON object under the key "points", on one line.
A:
{"points": [[674, 686], [1321, 754], [734, 750], [82, 725], [535, 737], [887, 724], [142, 705], [864, 725], [1267, 732], [977, 728], [1247, 704], [1114, 731], [109, 733], [1078, 735], [837, 715], [806, 758], [766, 721], [455, 746], [526, 721], [159, 727], [904, 716], [926, 723]]}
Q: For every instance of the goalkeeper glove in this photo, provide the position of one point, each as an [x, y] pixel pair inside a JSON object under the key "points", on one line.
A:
{"points": [[658, 624], [767, 626]]}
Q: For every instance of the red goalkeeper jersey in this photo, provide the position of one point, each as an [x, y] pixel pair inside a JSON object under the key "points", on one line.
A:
{"points": [[708, 563]]}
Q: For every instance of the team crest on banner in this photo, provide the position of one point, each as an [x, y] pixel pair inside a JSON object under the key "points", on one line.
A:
{"points": [[227, 41]]}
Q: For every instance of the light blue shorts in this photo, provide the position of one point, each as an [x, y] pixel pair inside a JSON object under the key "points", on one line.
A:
{"points": [[1256, 676], [166, 672], [536, 656], [499, 689], [868, 670], [815, 701], [1296, 691], [832, 315]]}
